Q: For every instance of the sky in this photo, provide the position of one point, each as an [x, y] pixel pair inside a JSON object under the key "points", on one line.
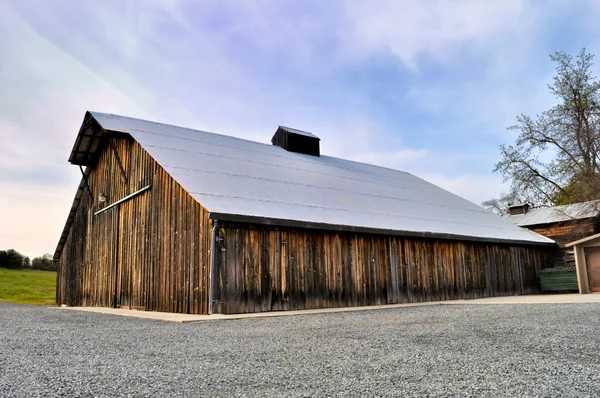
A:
{"points": [[427, 87]]}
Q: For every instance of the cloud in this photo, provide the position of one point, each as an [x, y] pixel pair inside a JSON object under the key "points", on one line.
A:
{"points": [[426, 87], [473, 66], [474, 187], [412, 29], [394, 159], [45, 92]]}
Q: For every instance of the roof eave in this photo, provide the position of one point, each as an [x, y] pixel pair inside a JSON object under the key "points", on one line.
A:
{"points": [[87, 143], [276, 222], [584, 240], [537, 224]]}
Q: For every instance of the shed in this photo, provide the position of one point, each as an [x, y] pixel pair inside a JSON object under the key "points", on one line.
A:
{"points": [[173, 219], [563, 224], [587, 263]]}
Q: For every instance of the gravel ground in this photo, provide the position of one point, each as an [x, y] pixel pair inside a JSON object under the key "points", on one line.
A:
{"points": [[496, 350]]}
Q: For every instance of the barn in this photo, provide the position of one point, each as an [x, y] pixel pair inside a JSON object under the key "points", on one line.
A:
{"points": [[172, 219], [575, 229], [563, 224]]}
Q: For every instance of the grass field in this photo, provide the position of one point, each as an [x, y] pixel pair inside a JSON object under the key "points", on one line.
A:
{"points": [[27, 286]]}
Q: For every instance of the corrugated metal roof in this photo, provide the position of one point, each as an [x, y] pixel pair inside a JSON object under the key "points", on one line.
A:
{"points": [[235, 177], [548, 215]]}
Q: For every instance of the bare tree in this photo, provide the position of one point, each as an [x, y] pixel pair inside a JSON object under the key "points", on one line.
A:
{"points": [[500, 205], [554, 159]]}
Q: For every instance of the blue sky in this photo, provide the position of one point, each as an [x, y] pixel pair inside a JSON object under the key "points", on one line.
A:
{"points": [[428, 87]]}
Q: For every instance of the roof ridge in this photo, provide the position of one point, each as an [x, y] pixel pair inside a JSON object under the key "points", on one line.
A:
{"points": [[296, 158], [422, 182], [301, 159], [178, 127]]}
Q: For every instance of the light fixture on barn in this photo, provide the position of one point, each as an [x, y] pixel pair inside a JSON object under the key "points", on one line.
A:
{"points": [[102, 197]]}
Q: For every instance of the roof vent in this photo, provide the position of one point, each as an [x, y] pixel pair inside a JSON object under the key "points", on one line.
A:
{"points": [[519, 209], [298, 141]]}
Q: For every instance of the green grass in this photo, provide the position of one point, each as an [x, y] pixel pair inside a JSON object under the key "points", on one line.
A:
{"points": [[27, 286]]}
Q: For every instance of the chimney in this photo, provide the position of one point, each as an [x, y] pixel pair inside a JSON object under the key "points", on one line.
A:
{"points": [[298, 141], [515, 210]]}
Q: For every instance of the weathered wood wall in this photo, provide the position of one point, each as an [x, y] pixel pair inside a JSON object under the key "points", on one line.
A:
{"points": [[150, 252], [268, 269], [567, 231]]}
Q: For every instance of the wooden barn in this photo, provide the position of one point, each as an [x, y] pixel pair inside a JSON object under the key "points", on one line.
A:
{"points": [[172, 219], [563, 224]]}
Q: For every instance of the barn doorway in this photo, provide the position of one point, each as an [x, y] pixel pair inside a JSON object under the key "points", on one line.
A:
{"points": [[104, 253], [122, 258], [133, 245], [592, 255]]}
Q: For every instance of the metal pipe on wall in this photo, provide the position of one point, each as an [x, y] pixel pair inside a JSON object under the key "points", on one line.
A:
{"points": [[213, 261]]}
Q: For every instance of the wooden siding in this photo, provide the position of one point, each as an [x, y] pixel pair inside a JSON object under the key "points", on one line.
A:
{"points": [[269, 269], [568, 231], [150, 252]]}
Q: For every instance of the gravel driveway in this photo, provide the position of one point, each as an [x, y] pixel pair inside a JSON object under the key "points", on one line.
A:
{"points": [[478, 350]]}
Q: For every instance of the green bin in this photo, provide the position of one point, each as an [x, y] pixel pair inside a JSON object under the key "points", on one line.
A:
{"points": [[559, 279]]}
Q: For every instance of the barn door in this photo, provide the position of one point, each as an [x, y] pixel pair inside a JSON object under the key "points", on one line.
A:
{"points": [[592, 260], [103, 272], [133, 258]]}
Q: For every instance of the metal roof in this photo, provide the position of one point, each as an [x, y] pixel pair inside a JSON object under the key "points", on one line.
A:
{"points": [[549, 215], [239, 179]]}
